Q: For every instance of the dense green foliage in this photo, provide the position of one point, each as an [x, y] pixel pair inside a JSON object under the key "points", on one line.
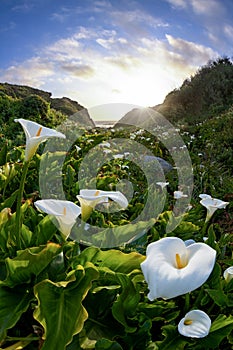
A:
{"points": [[202, 96]]}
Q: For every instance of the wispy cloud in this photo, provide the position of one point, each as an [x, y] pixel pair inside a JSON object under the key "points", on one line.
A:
{"points": [[9, 27], [78, 70], [24, 6], [178, 3], [33, 72]]}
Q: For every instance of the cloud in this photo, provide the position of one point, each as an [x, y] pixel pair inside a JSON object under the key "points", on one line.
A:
{"points": [[210, 8], [178, 3], [191, 52], [33, 72], [10, 26], [24, 7], [79, 70], [228, 30]]}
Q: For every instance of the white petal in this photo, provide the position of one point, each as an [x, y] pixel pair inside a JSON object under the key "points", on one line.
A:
{"points": [[199, 326], [203, 195], [65, 212], [119, 198], [100, 196]]}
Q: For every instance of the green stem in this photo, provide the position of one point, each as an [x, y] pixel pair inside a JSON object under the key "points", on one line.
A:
{"points": [[187, 302], [199, 297], [19, 202]]}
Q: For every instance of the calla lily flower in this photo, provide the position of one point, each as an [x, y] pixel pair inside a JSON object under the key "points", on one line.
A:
{"points": [[195, 324], [212, 204], [172, 269], [90, 198], [228, 274], [162, 184], [65, 212], [35, 134], [179, 194]]}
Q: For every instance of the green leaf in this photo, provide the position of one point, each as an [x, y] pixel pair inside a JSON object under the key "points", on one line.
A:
{"points": [[172, 340], [218, 297], [45, 230], [13, 303], [29, 263], [60, 309], [113, 259], [8, 203], [105, 344], [126, 304], [115, 236], [3, 155], [220, 329]]}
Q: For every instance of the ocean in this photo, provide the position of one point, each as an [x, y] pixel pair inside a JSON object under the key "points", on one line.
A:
{"points": [[105, 123]]}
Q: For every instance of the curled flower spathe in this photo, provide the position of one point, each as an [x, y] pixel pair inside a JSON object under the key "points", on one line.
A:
{"points": [[195, 324], [172, 269], [90, 198], [228, 274], [211, 204], [65, 212], [36, 134]]}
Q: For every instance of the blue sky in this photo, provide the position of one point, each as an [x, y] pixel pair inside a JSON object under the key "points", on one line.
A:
{"points": [[111, 51]]}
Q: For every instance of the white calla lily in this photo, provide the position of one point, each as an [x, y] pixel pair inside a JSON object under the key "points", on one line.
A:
{"points": [[228, 274], [195, 324], [162, 184], [65, 212], [36, 134], [179, 194], [90, 198], [212, 204], [172, 269]]}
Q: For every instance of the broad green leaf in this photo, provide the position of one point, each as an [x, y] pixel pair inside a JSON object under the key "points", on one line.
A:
{"points": [[105, 344], [173, 340], [214, 281], [29, 263], [218, 297], [220, 329], [160, 310], [60, 309], [126, 304], [115, 236], [8, 203], [45, 230], [13, 303], [113, 259]]}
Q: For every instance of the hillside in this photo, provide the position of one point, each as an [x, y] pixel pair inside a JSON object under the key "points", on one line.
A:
{"points": [[26, 94], [202, 96]]}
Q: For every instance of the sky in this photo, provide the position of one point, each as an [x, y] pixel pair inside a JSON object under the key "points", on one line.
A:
{"points": [[100, 52]]}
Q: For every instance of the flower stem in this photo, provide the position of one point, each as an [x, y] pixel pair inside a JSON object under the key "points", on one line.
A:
{"points": [[187, 302], [19, 202]]}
